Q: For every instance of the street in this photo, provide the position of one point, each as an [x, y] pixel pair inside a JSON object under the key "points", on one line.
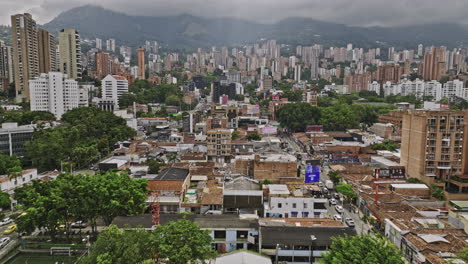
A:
{"points": [[361, 227]]}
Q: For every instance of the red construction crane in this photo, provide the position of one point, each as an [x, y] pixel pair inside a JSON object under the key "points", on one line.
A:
{"points": [[155, 209]]}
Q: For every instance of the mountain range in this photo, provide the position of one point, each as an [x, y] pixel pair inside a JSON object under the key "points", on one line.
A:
{"points": [[188, 31]]}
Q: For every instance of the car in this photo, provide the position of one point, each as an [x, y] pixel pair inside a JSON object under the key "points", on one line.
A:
{"points": [[6, 221], [10, 229], [337, 217], [339, 209], [336, 195], [349, 221], [332, 201], [79, 224], [4, 241], [321, 184], [325, 190]]}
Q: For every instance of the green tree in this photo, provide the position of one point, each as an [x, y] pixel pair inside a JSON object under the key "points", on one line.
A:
{"points": [[84, 197], [253, 136], [172, 100], [338, 117], [7, 162], [5, 201], [463, 255], [154, 166], [235, 135], [297, 116], [363, 249], [182, 242], [389, 145], [87, 134], [334, 176], [117, 246], [437, 192], [346, 190], [239, 97], [293, 96]]}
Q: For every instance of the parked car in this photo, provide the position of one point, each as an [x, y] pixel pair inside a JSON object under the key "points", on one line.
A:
{"points": [[4, 241], [10, 229], [6, 221], [332, 201], [321, 184], [337, 217], [336, 195], [339, 209], [325, 190], [349, 221], [79, 224]]}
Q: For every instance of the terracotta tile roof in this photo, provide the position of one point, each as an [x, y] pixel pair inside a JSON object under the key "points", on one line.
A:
{"points": [[169, 185], [455, 243], [212, 194]]}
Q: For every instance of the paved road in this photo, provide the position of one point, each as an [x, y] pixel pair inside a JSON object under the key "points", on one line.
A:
{"points": [[360, 226]]}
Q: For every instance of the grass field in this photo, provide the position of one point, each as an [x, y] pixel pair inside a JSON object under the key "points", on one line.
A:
{"points": [[42, 259]]}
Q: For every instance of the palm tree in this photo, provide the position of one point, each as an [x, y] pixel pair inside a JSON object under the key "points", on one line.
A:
{"points": [[172, 158], [15, 172]]}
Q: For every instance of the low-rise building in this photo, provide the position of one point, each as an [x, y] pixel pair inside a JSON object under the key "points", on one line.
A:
{"points": [[13, 137]]}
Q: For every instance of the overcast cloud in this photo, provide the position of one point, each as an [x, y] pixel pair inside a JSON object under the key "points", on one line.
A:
{"points": [[353, 12]]}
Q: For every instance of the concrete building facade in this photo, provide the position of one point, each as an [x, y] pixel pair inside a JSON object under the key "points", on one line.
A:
{"points": [[70, 53], [55, 93], [25, 53]]}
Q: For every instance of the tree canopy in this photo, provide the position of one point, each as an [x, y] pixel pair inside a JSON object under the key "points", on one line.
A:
{"points": [[389, 145], [79, 197], [365, 249], [26, 117], [7, 163], [346, 190], [253, 136], [297, 116], [88, 133], [177, 242]]}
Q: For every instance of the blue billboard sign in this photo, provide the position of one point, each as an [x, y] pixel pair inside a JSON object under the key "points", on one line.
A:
{"points": [[312, 171]]}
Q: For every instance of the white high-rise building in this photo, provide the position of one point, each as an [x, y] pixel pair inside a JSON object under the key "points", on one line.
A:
{"points": [[98, 44], [55, 93], [114, 86], [297, 72], [110, 45]]}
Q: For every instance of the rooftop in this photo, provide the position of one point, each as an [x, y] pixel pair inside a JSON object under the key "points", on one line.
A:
{"points": [[172, 174]]}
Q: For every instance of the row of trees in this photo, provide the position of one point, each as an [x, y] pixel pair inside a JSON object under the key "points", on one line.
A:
{"points": [[87, 134], [25, 117], [337, 117], [143, 92], [177, 242], [69, 198], [182, 242]]}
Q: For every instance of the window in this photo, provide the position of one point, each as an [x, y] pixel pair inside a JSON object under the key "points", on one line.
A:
{"points": [[242, 234], [305, 205], [293, 214], [280, 205], [294, 205], [219, 234]]}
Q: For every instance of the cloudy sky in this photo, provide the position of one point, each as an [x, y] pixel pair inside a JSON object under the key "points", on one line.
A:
{"points": [[353, 12]]}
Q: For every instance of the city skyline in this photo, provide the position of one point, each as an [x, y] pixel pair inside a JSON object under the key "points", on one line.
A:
{"points": [[356, 13]]}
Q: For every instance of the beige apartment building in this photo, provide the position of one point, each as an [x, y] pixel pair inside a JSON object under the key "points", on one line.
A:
{"points": [[47, 48], [25, 53], [434, 149], [219, 145], [70, 53]]}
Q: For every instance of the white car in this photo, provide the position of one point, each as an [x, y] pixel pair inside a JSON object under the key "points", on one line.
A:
{"points": [[6, 221], [349, 222], [4, 241], [337, 217], [339, 209], [79, 224], [332, 201]]}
